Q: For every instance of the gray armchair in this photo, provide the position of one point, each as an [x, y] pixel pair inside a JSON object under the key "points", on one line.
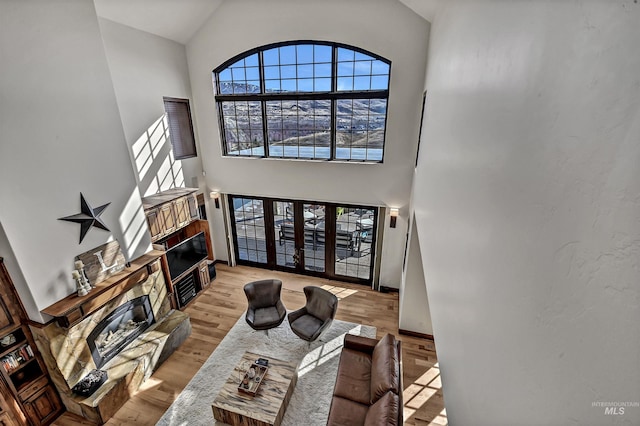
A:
{"points": [[265, 310], [316, 316]]}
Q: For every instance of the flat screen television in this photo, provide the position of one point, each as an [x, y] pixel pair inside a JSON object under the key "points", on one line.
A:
{"points": [[186, 254]]}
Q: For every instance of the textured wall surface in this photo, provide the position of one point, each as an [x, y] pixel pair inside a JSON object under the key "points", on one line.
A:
{"points": [[528, 207]]}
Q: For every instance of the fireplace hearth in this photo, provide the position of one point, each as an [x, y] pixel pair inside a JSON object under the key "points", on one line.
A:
{"points": [[112, 340], [119, 328]]}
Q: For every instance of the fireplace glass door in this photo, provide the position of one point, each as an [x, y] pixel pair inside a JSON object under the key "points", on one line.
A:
{"points": [[119, 328]]}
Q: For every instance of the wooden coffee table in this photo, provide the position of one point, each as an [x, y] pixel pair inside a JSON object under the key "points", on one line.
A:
{"points": [[268, 406]]}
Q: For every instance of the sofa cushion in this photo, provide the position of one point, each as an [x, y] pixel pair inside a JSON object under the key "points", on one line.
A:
{"points": [[384, 412], [354, 376], [346, 413], [384, 368]]}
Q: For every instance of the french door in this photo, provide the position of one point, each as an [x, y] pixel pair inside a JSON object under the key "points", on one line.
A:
{"points": [[307, 237]]}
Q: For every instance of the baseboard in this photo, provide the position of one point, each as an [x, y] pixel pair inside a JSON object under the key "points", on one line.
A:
{"points": [[385, 289], [416, 334], [224, 262]]}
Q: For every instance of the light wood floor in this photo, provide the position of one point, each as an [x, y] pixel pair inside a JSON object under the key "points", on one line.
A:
{"points": [[217, 309]]}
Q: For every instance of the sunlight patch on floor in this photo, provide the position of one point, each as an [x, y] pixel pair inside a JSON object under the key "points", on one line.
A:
{"points": [[418, 394], [340, 292]]}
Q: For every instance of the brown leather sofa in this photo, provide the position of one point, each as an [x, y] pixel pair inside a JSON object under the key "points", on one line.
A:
{"points": [[368, 388]]}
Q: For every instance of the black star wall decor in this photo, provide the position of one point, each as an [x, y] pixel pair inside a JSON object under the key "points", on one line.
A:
{"points": [[87, 217]]}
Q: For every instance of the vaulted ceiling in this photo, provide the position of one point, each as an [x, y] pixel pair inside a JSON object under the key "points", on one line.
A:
{"points": [[179, 20]]}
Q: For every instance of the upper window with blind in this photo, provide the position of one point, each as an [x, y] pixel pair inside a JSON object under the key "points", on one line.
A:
{"points": [[183, 142], [304, 100]]}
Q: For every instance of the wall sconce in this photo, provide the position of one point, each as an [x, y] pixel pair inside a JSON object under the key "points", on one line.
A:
{"points": [[393, 213], [215, 195]]}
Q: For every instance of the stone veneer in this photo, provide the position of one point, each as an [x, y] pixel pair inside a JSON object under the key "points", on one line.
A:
{"points": [[69, 359]]}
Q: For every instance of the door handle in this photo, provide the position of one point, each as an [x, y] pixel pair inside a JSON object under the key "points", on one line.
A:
{"points": [[297, 256]]}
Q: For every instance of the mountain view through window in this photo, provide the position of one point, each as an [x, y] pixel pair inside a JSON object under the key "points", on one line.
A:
{"points": [[305, 100]]}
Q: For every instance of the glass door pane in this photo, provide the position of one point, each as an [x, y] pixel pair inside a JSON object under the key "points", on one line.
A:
{"points": [[284, 233], [354, 241], [314, 237], [248, 215]]}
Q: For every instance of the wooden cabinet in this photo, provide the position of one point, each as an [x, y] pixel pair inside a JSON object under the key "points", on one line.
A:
{"points": [[204, 273], [28, 397], [156, 225], [168, 219], [43, 406], [170, 211], [194, 211], [181, 211], [7, 420]]}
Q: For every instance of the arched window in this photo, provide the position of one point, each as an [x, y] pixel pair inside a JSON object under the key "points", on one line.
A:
{"points": [[304, 99]]}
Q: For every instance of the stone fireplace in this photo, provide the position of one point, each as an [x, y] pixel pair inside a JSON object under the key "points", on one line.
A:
{"points": [[128, 337], [119, 328]]}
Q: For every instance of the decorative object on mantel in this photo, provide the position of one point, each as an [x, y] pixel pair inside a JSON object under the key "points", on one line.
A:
{"points": [[87, 217], [83, 274], [80, 285], [102, 262], [90, 383]]}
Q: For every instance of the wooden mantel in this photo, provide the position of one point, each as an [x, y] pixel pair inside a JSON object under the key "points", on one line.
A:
{"points": [[73, 308]]}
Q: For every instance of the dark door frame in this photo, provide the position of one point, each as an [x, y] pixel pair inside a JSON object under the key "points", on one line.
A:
{"points": [[330, 234]]}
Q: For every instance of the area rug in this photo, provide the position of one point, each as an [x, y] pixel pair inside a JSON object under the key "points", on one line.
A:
{"points": [[317, 370]]}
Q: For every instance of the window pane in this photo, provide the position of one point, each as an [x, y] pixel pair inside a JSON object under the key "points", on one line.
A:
{"points": [[305, 71], [288, 71], [238, 74], [345, 54], [253, 73], [305, 85], [345, 83], [305, 53], [242, 122], [299, 129], [362, 83], [360, 128], [345, 68], [362, 68], [251, 61], [250, 236], [225, 75], [322, 53], [288, 55], [270, 57], [379, 82], [379, 67], [354, 237], [322, 84], [288, 85], [362, 57], [272, 85], [271, 72], [322, 70]]}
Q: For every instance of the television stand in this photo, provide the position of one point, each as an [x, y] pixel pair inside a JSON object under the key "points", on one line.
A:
{"points": [[186, 289]]}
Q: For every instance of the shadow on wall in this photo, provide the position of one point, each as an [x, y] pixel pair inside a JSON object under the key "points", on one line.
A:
{"points": [[155, 166]]}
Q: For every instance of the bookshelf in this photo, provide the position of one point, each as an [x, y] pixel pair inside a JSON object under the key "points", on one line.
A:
{"points": [[27, 397]]}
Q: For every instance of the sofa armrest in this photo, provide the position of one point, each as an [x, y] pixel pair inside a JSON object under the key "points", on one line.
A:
{"points": [[359, 343]]}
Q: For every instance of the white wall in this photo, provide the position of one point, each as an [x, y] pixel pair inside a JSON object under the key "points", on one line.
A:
{"points": [[414, 314], [145, 68], [384, 27], [61, 135], [528, 210]]}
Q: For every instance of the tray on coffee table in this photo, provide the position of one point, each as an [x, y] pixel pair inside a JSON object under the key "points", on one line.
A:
{"points": [[249, 384]]}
